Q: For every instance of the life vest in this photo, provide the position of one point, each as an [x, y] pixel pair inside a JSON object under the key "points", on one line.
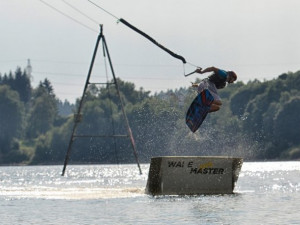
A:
{"points": [[218, 80]]}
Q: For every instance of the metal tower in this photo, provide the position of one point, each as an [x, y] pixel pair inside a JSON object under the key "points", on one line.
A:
{"points": [[78, 115], [28, 68]]}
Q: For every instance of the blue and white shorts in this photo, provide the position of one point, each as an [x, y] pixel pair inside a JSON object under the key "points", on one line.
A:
{"points": [[206, 84]]}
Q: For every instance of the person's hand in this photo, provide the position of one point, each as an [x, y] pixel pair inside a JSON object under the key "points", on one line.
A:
{"points": [[198, 70]]}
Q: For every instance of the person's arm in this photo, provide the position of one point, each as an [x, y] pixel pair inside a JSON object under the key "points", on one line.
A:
{"points": [[209, 69]]}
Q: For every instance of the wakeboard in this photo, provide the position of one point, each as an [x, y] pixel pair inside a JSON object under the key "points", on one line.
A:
{"points": [[198, 110]]}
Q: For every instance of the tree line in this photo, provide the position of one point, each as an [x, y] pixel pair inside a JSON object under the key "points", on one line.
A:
{"points": [[258, 121]]}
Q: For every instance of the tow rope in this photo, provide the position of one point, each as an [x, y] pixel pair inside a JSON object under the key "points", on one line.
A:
{"points": [[147, 37]]}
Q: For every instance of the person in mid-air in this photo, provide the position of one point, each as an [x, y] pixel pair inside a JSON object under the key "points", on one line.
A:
{"points": [[217, 80]]}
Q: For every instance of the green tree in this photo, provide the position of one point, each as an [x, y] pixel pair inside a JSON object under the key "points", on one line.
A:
{"points": [[19, 82], [287, 124], [43, 111], [257, 120], [11, 117], [22, 85]]}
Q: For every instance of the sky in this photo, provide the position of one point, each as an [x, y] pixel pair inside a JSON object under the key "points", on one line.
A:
{"points": [[258, 39]]}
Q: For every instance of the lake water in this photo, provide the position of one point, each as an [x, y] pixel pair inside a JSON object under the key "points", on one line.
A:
{"points": [[266, 193]]}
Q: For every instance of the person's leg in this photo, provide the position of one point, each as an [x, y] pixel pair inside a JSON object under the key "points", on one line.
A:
{"points": [[215, 106]]}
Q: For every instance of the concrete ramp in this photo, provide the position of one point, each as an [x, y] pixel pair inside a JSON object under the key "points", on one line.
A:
{"points": [[193, 175]]}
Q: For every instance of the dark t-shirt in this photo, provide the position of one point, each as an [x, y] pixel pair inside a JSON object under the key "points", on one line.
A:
{"points": [[219, 78]]}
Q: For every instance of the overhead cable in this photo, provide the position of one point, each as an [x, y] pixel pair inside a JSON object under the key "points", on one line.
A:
{"points": [[79, 11], [141, 33], [71, 18]]}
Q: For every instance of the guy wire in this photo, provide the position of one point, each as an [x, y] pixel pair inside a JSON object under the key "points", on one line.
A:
{"points": [[71, 18], [76, 9], [103, 9]]}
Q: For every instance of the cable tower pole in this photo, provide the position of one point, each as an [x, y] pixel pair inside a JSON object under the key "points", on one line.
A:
{"points": [[77, 116]]}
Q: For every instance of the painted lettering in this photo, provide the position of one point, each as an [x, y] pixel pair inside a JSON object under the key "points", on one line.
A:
{"points": [[193, 170], [180, 164], [221, 171], [171, 163], [207, 171], [176, 164], [190, 164]]}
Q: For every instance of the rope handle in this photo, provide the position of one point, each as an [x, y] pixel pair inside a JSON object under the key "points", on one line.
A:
{"points": [[198, 67]]}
